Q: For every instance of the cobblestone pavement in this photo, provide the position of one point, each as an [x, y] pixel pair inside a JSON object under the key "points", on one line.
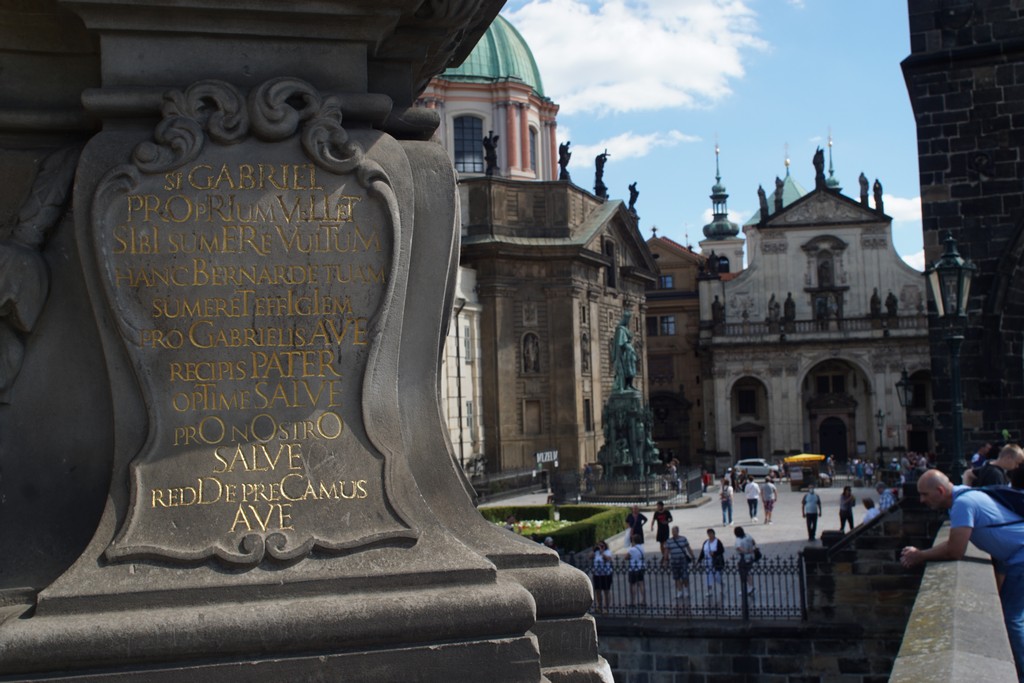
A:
{"points": [[785, 537]]}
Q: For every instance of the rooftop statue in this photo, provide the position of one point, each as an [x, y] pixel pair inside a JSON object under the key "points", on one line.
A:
{"points": [[600, 189], [819, 169], [633, 194], [563, 160]]}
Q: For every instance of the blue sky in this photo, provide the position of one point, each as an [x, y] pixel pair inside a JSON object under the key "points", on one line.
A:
{"points": [[656, 82]]}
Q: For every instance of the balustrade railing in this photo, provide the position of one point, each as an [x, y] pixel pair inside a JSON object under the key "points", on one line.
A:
{"points": [[779, 591]]}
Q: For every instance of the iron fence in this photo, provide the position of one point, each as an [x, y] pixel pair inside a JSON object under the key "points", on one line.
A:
{"points": [[772, 589]]}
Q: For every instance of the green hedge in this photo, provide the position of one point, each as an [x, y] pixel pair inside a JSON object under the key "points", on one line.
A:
{"points": [[586, 533], [576, 513], [592, 522], [521, 512]]}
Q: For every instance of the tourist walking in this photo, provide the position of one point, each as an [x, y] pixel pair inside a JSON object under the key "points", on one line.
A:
{"points": [[601, 570], [636, 569], [725, 495], [746, 549], [662, 518], [635, 522], [811, 508], [680, 556], [712, 553], [847, 501], [753, 492], [769, 494]]}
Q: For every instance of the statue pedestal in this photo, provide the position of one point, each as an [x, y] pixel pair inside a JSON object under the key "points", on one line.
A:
{"points": [[628, 451], [266, 243]]}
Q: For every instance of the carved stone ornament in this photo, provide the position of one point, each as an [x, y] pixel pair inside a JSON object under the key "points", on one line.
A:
{"points": [[248, 254], [775, 246], [823, 209]]}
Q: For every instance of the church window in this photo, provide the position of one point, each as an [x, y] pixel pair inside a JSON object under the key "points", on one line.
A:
{"points": [[723, 264], [469, 151], [747, 400], [533, 149], [588, 416]]}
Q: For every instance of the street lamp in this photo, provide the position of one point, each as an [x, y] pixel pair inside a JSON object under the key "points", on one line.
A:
{"points": [[949, 279], [905, 390], [880, 421]]}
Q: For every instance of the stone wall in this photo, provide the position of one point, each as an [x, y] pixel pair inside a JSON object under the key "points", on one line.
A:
{"points": [[965, 78], [702, 652], [859, 603], [960, 639]]}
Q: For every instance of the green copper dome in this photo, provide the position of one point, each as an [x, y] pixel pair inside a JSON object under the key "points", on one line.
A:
{"points": [[500, 55]]}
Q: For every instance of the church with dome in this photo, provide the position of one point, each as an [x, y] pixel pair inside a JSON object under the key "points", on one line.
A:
{"points": [[547, 270]]}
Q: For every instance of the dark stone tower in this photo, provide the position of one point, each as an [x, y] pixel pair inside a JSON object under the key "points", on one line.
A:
{"points": [[965, 76]]}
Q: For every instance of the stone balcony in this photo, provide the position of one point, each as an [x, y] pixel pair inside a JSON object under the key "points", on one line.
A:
{"points": [[802, 331]]}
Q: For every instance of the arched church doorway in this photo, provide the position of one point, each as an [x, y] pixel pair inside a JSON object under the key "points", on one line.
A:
{"points": [[832, 438]]}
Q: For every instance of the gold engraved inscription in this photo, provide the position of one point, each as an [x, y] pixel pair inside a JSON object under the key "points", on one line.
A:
{"points": [[258, 282]]}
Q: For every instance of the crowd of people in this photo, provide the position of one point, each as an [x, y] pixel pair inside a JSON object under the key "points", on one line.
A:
{"points": [[987, 510]]}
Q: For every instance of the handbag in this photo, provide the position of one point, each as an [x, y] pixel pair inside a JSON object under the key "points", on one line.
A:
{"points": [[757, 554]]}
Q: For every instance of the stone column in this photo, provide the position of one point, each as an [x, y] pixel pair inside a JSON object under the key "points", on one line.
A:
{"points": [[524, 136], [552, 156], [510, 136], [266, 239]]}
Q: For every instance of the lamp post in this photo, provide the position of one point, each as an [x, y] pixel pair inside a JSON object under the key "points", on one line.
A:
{"points": [[880, 421], [949, 280], [905, 394]]}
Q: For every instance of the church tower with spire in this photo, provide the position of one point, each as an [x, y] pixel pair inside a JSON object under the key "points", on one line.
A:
{"points": [[721, 234]]}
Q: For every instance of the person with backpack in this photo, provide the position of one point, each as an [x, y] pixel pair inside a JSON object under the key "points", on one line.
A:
{"points": [[993, 520], [680, 556], [746, 548]]}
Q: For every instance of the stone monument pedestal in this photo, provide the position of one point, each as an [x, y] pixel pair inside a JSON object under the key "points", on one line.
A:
{"points": [[257, 260]]}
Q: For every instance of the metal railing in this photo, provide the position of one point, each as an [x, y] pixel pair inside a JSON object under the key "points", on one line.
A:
{"points": [[779, 591]]}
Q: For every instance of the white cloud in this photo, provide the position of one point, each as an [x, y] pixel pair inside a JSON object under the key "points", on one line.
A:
{"points": [[626, 145], [902, 209], [636, 55], [915, 260]]}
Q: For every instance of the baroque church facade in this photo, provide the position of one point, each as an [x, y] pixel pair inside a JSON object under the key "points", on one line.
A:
{"points": [[547, 270], [802, 349]]}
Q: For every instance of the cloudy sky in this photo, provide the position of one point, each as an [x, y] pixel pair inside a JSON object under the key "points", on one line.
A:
{"points": [[657, 82]]}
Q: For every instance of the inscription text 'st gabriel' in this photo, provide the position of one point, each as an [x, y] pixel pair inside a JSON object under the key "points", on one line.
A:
{"points": [[249, 255]]}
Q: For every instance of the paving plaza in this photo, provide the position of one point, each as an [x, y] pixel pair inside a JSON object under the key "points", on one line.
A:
{"points": [[777, 578]]}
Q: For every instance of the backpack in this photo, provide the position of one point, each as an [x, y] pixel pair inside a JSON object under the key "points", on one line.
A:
{"points": [[1010, 498]]}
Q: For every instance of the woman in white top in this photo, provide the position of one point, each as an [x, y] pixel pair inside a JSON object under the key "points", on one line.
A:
{"points": [[602, 573], [637, 568]]}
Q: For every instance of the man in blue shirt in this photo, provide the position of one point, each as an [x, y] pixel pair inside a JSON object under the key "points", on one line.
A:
{"points": [[976, 517]]}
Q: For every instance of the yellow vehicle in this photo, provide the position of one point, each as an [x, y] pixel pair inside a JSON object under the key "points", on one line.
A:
{"points": [[805, 470]]}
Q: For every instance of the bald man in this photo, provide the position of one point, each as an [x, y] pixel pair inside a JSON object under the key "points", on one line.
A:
{"points": [[975, 516]]}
